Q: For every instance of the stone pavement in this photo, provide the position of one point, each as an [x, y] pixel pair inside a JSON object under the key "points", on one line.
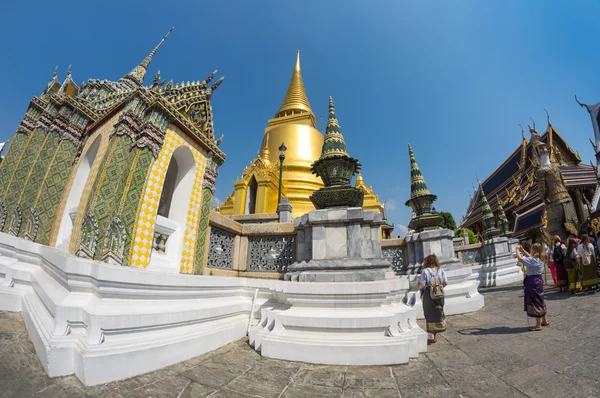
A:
{"points": [[489, 353]]}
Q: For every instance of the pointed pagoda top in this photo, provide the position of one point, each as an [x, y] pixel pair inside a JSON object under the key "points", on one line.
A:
{"points": [[486, 210], [417, 182], [139, 72], [265, 153], [295, 100], [501, 214], [53, 85], [359, 180], [69, 87], [334, 144]]}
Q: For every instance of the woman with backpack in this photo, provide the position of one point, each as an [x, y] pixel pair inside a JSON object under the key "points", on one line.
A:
{"points": [[572, 266], [535, 306], [432, 282], [587, 263], [558, 256]]}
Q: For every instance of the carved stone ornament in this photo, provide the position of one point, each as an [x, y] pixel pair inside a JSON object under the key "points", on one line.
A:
{"points": [[395, 255], [271, 253], [32, 225], [114, 242], [15, 221], [220, 252], [89, 237], [3, 214]]}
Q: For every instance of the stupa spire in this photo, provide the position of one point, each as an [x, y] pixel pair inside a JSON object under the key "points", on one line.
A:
{"points": [[486, 210], [139, 72], [334, 144], [265, 153], [295, 100], [418, 187]]}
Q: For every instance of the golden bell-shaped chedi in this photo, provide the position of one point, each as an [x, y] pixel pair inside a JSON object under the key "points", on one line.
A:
{"points": [[295, 125]]}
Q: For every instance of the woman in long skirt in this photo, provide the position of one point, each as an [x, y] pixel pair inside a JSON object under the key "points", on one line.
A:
{"points": [[535, 306], [572, 266], [587, 263], [432, 308], [558, 256]]}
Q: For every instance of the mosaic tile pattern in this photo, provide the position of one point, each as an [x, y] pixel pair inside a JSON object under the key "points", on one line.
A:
{"points": [[11, 158], [37, 176], [142, 249], [207, 197], [109, 185], [104, 131], [130, 202], [22, 170], [53, 189]]}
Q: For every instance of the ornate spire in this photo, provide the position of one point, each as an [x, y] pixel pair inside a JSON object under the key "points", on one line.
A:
{"points": [[334, 144], [502, 216], [53, 83], [139, 72], [68, 87], [359, 180], [417, 182], [486, 210], [265, 153], [295, 100]]}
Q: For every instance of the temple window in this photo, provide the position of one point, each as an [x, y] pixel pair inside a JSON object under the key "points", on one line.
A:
{"points": [[251, 196], [172, 212]]}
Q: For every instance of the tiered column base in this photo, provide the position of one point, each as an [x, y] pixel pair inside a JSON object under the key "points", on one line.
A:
{"points": [[361, 323]]}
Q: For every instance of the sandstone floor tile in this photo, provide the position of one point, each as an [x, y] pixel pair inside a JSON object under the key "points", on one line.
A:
{"points": [[476, 381], [437, 391], [539, 381], [320, 377], [215, 377], [370, 393], [195, 390], [369, 377], [450, 359], [313, 391]]}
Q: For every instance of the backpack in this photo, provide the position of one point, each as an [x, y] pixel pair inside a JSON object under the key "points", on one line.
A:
{"points": [[558, 255], [436, 288], [569, 260], [586, 258]]}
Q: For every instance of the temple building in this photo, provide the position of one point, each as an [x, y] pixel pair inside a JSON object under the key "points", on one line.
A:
{"points": [[294, 125], [512, 187], [115, 171]]}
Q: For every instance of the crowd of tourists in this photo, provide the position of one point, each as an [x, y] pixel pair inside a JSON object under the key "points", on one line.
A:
{"points": [[574, 264]]}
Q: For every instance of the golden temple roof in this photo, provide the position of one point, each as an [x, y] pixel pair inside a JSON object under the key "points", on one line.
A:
{"points": [[295, 100]]}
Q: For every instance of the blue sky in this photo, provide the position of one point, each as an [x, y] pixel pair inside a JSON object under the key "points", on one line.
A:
{"points": [[452, 78]]}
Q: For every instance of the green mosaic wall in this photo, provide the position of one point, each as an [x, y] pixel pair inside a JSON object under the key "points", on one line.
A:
{"points": [[109, 185], [52, 189], [130, 202], [7, 168], [207, 197], [21, 173], [37, 176]]}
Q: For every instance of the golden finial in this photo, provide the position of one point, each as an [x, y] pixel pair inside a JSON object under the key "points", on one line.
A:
{"points": [[265, 153], [295, 100], [359, 180], [69, 71], [547, 117], [55, 73]]}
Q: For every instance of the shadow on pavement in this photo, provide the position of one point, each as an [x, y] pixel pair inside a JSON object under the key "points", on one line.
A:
{"points": [[494, 330]]}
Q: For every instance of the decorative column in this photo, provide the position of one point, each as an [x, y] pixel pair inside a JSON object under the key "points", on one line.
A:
{"points": [[208, 191], [338, 242], [429, 237], [500, 265]]}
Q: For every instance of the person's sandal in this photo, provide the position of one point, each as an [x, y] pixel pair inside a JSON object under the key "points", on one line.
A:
{"points": [[546, 324], [535, 329]]}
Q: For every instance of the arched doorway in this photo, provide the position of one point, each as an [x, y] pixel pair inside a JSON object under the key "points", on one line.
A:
{"points": [[66, 223], [251, 196], [171, 218]]}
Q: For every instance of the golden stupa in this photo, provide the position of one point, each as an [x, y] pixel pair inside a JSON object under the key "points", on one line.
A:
{"points": [[294, 125]]}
